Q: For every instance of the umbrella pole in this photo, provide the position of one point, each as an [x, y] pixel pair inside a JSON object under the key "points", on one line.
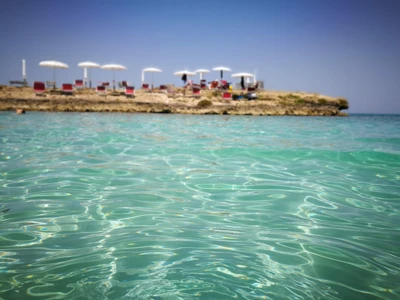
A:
{"points": [[84, 78], [54, 78], [114, 81]]}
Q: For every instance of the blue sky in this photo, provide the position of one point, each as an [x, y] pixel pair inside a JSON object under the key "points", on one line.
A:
{"points": [[340, 48]]}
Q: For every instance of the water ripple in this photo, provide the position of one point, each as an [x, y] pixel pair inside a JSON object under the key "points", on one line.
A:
{"points": [[125, 206]]}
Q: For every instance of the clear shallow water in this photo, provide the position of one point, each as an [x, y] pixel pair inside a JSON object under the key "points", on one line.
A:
{"points": [[141, 206]]}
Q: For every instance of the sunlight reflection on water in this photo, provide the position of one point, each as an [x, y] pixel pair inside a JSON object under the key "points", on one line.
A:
{"points": [[132, 206]]}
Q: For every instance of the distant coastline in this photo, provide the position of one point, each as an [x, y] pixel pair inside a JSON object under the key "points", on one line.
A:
{"points": [[182, 101]]}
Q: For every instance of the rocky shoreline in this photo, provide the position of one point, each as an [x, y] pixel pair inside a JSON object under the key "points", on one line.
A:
{"points": [[180, 102]]}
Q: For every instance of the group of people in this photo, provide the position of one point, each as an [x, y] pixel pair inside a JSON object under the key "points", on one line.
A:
{"points": [[223, 84]]}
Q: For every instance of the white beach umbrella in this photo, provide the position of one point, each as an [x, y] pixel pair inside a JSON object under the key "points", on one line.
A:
{"points": [[188, 73], [243, 75], [88, 65], [114, 68], [201, 72], [152, 71], [238, 75], [222, 69], [184, 72], [53, 64]]}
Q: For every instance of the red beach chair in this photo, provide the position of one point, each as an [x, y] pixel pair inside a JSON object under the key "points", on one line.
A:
{"points": [[78, 83], [122, 84], [39, 88], [101, 90], [252, 87], [196, 89], [203, 84], [163, 88], [130, 91], [227, 96], [105, 84], [251, 91], [224, 85], [68, 88], [214, 85], [145, 86]]}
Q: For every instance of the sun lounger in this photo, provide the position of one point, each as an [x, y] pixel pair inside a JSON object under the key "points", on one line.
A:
{"points": [[196, 89], [130, 91], [203, 84], [163, 88], [105, 84], [122, 84], [145, 86], [51, 84], [251, 91], [101, 90], [18, 82], [39, 88], [224, 85], [68, 88], [189, 84], [227, 96], [252, 87], [78, 83], [213, 85]]}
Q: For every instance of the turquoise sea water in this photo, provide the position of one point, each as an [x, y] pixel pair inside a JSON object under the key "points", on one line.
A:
{"points": [[147, 206]]}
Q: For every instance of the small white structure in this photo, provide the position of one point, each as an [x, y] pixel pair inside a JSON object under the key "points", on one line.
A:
{"points": [[23, 70]]}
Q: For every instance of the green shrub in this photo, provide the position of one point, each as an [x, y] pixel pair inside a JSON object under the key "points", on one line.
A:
{"points": [[216, 93], [343, 104], [322, 101], [300, 101], [294, 97], [204, 103]]}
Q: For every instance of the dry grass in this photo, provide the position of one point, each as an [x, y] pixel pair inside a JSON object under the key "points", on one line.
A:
{"points": [[84, 99]]}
